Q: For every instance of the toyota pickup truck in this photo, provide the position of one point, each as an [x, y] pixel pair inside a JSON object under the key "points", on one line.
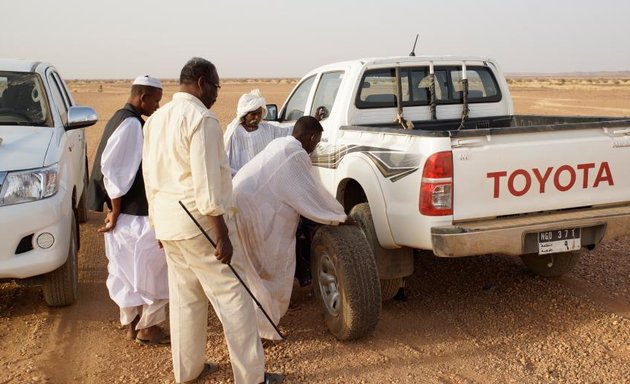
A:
{"points": [[426, 153], [43, 178]]}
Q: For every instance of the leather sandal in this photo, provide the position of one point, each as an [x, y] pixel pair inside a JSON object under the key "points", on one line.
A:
{"points": [[273, 378]]}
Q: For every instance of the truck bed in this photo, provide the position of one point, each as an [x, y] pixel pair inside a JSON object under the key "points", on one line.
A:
{"points": [[497, 125]]}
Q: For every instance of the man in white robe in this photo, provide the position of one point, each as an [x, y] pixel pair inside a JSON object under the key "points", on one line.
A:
{"points": [[271, 192], [137, 280], [248, 134]]}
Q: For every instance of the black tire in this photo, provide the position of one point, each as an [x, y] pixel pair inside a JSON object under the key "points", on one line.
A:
{"points": [[61, 286], [82, 209], [390, 287], [362, 215], [345, 281], [553, 264]]}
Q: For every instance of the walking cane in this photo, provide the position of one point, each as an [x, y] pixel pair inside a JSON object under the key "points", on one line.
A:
{"points": [[233, 270]]}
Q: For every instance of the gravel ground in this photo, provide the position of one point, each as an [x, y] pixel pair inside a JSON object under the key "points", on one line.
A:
{"points": [[468, 320]]}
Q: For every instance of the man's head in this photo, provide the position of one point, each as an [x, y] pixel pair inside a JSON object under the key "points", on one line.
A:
{"points": [[146, 93], [251, 109], [308, 131], [199, 77]]}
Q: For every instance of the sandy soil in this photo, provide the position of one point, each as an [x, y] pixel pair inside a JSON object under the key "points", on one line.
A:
{"points": [[469, 320]]}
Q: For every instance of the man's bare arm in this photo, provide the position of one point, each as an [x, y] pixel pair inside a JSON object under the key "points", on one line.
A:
{"points": [[223, 250], [112, 216]]}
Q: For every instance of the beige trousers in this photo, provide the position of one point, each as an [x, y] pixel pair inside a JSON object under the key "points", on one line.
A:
{"points": [[196, 276]]}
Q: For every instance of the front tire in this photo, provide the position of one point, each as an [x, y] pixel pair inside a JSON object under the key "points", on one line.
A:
{"points": [[82, 209], [345, 281], [553, 264], [61, 286]]}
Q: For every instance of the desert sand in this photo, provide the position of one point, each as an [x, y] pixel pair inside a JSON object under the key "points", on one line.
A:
{"points": [[469, 320]]}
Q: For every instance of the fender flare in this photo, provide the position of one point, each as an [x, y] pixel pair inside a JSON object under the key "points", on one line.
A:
{"points": [[357, 168]]}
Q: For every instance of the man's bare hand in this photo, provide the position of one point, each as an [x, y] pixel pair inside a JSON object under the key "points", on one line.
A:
{"points": [[349, 221], [223, 250], [110, 222]]}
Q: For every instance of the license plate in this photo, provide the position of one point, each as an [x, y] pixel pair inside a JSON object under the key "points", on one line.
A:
{"points": [[559, 240]]}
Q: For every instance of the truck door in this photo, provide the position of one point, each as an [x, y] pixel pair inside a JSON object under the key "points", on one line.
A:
{"points": [[323, 107], [75, 138]]}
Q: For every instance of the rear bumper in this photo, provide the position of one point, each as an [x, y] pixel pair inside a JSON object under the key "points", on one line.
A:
{"points": [[518, 235]]}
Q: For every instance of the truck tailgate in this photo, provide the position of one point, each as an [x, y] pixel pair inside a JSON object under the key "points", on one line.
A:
{"points": [[503, 174]]}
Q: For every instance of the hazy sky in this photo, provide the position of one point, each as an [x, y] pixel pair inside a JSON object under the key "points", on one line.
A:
{"points": [[89, 39]]}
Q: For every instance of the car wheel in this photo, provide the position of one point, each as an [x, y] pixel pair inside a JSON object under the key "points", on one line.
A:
{"points": [[553, 264], [61, 286], [82, 210], [362, 215], [345, 281]]}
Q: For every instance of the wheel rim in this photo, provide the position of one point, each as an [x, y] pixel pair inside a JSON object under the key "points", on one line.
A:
{"points": [[328, 285]]}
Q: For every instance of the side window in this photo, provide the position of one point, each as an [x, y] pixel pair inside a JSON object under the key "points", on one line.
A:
{"points": [[63, 89], [296, 105], [377, 89], [327, 92], [58, 99]]}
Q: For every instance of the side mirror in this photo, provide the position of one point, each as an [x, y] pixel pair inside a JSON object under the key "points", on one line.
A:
{"points": [[272, 112], [81, 117]]}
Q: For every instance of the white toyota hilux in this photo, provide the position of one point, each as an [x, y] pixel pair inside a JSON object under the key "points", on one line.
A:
{"points": [[426, 153], [43, 178]]}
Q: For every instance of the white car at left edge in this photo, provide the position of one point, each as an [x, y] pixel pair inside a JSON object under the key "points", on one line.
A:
{"points": [[43, 178]]}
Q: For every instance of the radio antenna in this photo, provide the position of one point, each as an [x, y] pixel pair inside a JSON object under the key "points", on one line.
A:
{"points": [[413, 51]]}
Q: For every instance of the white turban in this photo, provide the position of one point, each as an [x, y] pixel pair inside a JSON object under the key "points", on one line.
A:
{"points": [[148, 81], [247, 103]]}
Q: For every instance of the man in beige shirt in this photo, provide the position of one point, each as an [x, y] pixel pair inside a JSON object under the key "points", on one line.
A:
{"points": [[184, 160]]}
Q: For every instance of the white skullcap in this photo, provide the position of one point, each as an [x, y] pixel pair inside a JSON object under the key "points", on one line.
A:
{"points": [[148, 81], [250, 102]]}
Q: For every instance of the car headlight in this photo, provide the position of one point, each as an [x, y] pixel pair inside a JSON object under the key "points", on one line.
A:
{"points": [[34, 184]]}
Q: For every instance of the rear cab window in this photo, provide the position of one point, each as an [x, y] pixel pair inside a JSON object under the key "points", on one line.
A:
{"points": [[378, 87]]}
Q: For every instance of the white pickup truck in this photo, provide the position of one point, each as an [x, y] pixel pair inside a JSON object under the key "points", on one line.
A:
{"points": [[43, 178], [426, 153]]}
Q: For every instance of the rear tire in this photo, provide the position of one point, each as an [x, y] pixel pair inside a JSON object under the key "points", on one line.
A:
{"points": [[61, 286], [345, 281], [390, 287], [553, 264], [362, 215]]}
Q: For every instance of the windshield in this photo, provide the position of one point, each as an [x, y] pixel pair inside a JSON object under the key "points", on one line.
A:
{"points": [[23, 100]]}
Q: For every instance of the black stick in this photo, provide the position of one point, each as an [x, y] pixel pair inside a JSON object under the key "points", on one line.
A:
{"points": [[233, 270]]}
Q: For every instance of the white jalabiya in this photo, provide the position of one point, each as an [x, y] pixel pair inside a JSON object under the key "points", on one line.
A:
{"points": [[245, 145], [240, 145], [138, 275], [270, 193]]}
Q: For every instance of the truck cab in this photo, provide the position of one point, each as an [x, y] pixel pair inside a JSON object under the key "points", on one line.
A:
{"points": [[43, 178]]}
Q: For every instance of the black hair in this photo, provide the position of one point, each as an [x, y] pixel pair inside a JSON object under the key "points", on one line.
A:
{"points": [[194, 69], [306, 126]]}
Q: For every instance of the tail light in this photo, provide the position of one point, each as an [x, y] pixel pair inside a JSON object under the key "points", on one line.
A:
{"points": [[436, 189]]}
